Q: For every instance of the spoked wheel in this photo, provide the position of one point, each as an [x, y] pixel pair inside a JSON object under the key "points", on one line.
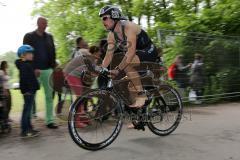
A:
{"points": [[165, 112], [102, 116]]}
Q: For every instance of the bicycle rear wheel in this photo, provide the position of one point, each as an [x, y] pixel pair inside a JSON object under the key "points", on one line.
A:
{"points": [[102, 116], [165, 112]]}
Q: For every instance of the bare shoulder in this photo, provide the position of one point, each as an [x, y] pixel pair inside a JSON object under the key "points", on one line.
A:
{"points": [[132, 27]]}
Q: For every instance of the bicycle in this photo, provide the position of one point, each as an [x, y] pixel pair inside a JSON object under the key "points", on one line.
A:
{"points": [[106, 115]]}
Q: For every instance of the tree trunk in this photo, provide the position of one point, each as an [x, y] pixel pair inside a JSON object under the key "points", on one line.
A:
{"points": [[130, 16], [148, 21], [139, 19], [164, 4], [195, 6], [129, 6], [208, 3]]}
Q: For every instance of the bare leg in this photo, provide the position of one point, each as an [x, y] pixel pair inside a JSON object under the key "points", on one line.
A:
{"points": [[136, 83]]}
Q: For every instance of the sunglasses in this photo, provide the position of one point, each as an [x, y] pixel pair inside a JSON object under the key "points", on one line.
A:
{"points": [[105, 18]]}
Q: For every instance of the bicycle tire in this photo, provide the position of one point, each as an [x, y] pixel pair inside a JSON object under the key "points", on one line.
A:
{"points": [[76, 137], [179, 109]]}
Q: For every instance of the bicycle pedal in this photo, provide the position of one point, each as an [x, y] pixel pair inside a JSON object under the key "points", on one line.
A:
{"points": [[139, 126]]}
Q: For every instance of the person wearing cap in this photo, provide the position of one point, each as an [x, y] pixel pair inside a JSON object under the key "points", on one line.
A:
{"points": [[127, 37], [28, 86], [44, 62]]}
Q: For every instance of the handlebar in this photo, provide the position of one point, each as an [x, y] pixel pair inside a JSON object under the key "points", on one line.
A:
{"points": [[102, 70]]}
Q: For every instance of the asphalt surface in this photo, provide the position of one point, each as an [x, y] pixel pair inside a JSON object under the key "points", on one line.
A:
{"points": [[207, 133]]}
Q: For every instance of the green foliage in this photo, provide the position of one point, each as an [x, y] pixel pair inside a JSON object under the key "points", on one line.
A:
{"points": [[69, 19], [195, 22], [229, 80], [213, 89]]}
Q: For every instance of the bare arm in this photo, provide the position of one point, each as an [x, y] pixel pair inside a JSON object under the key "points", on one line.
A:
{"points": [[110, 50], [131, 34]]}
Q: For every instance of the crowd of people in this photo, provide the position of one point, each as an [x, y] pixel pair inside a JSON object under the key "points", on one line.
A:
{"points": [[36, 63], [190, 75]]}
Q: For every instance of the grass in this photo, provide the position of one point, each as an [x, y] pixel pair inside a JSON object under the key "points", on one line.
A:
{"points": [[17, 101]]}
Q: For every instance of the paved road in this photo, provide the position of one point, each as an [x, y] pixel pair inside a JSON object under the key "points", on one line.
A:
{"points": [[206, 133]]}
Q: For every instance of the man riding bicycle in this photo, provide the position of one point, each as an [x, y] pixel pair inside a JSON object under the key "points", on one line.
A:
{"points": [[127, 37], [107, 112]]}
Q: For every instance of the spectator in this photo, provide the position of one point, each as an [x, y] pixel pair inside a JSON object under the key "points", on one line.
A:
{"points": [[103, 48], [181, 76], [81, 83], [73, 68], [57, 78], [197, 77], [4, 67], [44, 63], [1, 90], [96, 53], [28, 86], [80, 44], [2, 102]]}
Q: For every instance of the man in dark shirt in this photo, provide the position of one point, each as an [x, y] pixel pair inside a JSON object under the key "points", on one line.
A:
{"points": [[43, 63]]}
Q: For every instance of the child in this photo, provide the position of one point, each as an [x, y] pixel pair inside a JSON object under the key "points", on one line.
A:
{"points": [[3, 120], [4, 67], [28, 86], [1, 90]]}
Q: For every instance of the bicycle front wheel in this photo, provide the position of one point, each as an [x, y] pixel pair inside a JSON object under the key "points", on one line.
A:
{"points": [[95, 120], [165, 112]]}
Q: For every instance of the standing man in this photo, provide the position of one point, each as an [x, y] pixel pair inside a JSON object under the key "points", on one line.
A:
{"points": [[197, 78], [43, 62]]}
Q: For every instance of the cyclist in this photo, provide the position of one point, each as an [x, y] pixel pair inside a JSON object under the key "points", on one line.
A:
{"points": [[127, 37]]}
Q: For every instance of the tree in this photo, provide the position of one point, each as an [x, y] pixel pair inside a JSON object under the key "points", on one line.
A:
{"points": [[187, 27], [69, 19]]}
